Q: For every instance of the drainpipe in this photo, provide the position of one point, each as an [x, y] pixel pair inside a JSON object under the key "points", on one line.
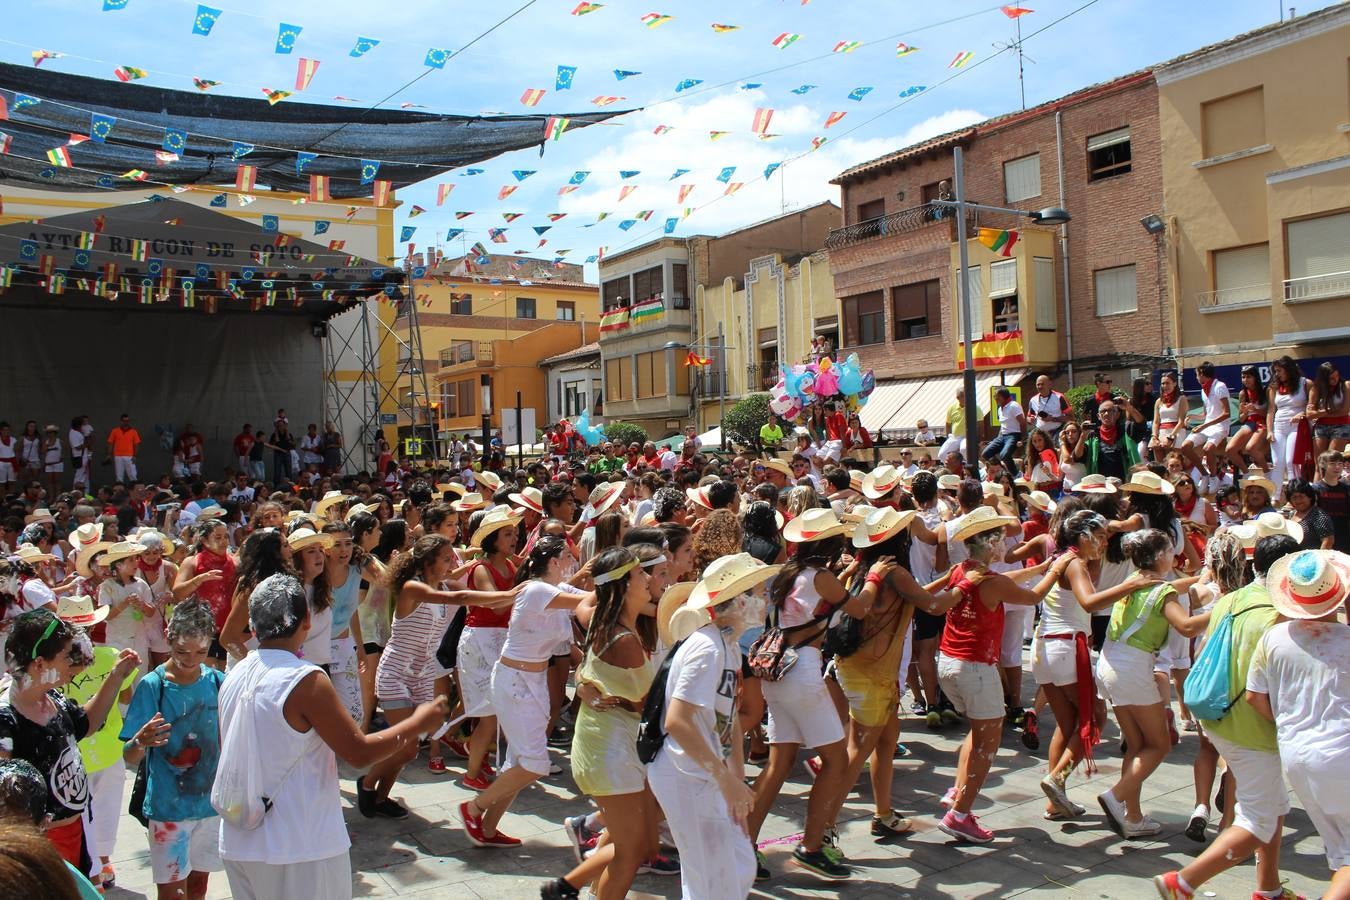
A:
{"points": [[1064, 246]]}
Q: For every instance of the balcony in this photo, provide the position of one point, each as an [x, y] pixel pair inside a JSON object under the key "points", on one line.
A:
{"points": [[1317, 287], [906, 220], [464, 352], [1240, 297], [645, 317]]}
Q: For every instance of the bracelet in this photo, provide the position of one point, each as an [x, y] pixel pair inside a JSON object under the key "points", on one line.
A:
{"points": [[872, 578]]}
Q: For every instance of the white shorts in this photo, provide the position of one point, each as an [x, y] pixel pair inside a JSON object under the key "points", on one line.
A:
{"points": [[800, 710], [1125, 675], [479, 650], [177, 849], [321, 879], [1217, 435], [974, 688], [703, 831], [1055, 662], [7, 472], [522, 703], [1320, 786], [1262, 797], [344, 670], [1175, 654], [1015, 619], [152, 634]]}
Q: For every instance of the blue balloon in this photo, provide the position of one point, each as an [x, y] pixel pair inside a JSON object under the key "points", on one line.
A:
{"points": [[850, 379]]}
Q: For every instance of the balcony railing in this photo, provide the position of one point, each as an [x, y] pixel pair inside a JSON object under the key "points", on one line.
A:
{"points": [[906, 220], [454, 355], [1317, 287], [1243, 295]]}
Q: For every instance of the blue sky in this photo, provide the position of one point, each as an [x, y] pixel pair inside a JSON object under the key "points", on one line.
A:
{"points": [[1105, 39]]}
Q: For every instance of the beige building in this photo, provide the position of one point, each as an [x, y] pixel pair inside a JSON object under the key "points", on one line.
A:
{"points": [[1256, 190]]}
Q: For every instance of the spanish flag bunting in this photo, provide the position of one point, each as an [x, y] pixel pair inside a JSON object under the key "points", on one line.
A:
{"points": [[846, 46], [443, 191], [246, 177], [59, 156], [685, 191], [275, 96], [626, 190], [336, 245], [606, 100], [381, 192], [693, 359], [723, 29], [318, 188], [903, 49], [532, 96], [1001, 241], [47, 264], [733, 188], [39, 56], [304, 73], [568, 188], [833, 118], [653, 20], [129, 73], [506, 191], [1015, 12], [760, 124], [583, 7], [960, 59], [786, 39], [614, 320], [110, 272], [554, 127]]}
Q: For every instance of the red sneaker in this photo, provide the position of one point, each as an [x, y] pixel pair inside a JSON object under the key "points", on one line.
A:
{"points": [[481, 783], [1168, 888], [473, 824], [965, 829], [436, 764], [499, 840], [456, 747], [813, 763]]}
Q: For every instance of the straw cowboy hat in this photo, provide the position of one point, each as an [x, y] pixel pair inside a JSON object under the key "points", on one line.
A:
{"points": [[675, 621], [1246, 535], [855, 515], [1094, 484], [357, 508], [980, 520], [778, 466], [489, 478], [297, 515], [880, 525], [815, 525], [454, 486], [1309, 584], [729, 577], [949, 482], [992, 489], [469, 502], [855, 479], [649, 518], [605, 495], [699, 496], [329, 500], [880, 481], [304, 538], [1270, 524], [84, 557], [1255, 477], [81, 611], [29, 553], [41, 514], [122, 550], [496, 518], [154, 540], [530, 498], [211, 512], [1146, 482], [1041, 500], [86, 535]]}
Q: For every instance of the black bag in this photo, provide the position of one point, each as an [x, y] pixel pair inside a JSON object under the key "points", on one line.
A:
{"points": [[843, 636], [651, 736], [447, 654]]}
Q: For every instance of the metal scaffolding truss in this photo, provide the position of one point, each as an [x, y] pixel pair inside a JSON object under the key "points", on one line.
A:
{"points": [[363, 397]]}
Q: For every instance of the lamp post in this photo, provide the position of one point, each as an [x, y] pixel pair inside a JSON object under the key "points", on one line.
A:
{"points": [[1053, 215], [722, 374], [485, 386]]}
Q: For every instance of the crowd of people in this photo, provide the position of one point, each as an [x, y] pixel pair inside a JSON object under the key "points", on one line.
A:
{"points": [[681, 628]]}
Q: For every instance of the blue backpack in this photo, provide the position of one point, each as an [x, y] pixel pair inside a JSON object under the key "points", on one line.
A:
{"points": [[1208, 692]]}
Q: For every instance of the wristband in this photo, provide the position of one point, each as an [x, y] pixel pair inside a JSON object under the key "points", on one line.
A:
{"points": [[872, 578]]}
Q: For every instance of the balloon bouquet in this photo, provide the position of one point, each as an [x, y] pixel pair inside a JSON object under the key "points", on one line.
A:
{"points": [[592, 435], [820, 382]]}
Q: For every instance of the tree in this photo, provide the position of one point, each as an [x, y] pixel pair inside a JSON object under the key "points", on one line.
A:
{"points": [[1077, 396], [743, 421], [625, 433]]}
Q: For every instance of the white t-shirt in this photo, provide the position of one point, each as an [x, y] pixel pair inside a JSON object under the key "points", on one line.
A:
{"points": [[311, 449], [703, 674], [925, 436], [1054, 405], [242, 495], [318, 647], [535, 631], [1007, 418], [123, 631], [1303, 666], [1216, 401], [923, 557], [78, 437]]}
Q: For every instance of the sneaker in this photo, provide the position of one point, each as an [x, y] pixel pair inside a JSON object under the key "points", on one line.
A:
{"points": [[1074, 811], [1145, 827], [660, 865], [577, 834], [1115, 811], [1195, 828], [901, 752], [891, 826], [1013, 716], [919, 708], [1172, 732], [1190, 725], [473, 824], [1285, 894], [436, 764], [1031, 737], [819, 864], [480, 783], [933, 719], [1053, 788], [456, 747], [365, 798], [813, 763], [554, 768], [762, 872], [558, 889], [108, 877], [390, 809], [949, 798], [500, 840], [561, 737], [1168, 887], [829, 844], [965, 830]]}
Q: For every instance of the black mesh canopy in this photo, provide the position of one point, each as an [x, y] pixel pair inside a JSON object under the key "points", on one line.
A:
{"points": [[410, 146]]}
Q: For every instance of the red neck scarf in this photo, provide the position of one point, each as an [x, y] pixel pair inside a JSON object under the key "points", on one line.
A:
{"points": [[1185, 509], [1109, 433], [1100, 396], [1168, 399]]}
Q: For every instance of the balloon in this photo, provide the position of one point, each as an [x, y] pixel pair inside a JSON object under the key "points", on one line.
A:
{"points": [[854, 362], [869, 383], [862, 400], [813, 368], [850, 379], [786, 405], [825, 364], [798, 382], [827, 383], [851, 403]]}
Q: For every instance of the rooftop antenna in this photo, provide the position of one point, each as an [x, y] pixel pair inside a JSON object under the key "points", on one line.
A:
{"points": [[1015, 13]]}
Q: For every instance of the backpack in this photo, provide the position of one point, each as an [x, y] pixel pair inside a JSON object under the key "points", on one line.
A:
{"points": [[844, 634], [651, 735], [1208, 690], [239, 795], [771, 657]]}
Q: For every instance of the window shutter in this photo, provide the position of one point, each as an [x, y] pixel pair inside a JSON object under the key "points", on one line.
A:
{"points": [[1022, 178], [1043, 273], [1116, 291], [1110, 139], [1319, 246], [1242, 275], [1002, 279], [978, 302]]}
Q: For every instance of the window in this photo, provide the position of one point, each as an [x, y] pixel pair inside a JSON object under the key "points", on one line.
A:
{"points": [[1109, 154], [827, 330], [1022, 178], [916, 309], [1003, 295], [1115, 290], [1242, 274], [616, 293], [768, 357], [710, 376], [574, 398], [567, 311], [864, 319], [457, 398], [1318, 251], [872, 209], [525, 308], [651, 374], [978, 302], [619, 378], [679, 286], [1233, 123], [1043, 274], [461, 304], [648, 283]]}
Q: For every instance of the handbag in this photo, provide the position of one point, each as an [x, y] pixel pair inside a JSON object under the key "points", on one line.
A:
{"points": [[771, 657], [447, 652]]}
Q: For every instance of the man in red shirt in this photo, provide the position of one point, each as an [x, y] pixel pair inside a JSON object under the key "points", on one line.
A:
{"points": [[243, 443], [191, 444]]}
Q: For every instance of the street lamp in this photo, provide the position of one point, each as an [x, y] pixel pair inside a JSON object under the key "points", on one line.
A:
{"points": [[722, 394], [1052, 215]]}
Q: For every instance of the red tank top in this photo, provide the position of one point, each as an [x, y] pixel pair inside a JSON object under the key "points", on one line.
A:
{"points": [[973, 631], [217, 594], [1250, 396], [482, 617]]}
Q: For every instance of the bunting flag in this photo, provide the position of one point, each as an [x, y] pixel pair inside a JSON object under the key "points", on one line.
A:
{"points": [[652, 310], [751, 85], [436, 58], [725, 175], [85, 241], [239, 150], [685, 191], [626, 190], [270, 224], [687, 84], [621, 74], [598, 219], [303, 159], [406, 233], [497, 235], [110, 5], [275, 96], [23, 101], [478, 249], [369, 169], [627, 224], [286, 36], [304, 72], [522, 174], [532, 96], [912, 90], [903, 49], [858, 93], [462, 215], [806, 88], [76, 140], [246, 178], [363, 46], [760, 124], [717, 135], [174, 140], [337, 245], [5, 141], [205, 20], [443, 191], [693, 359], [817, 143], [59, 156], [606, 100], [770, 169], [416, 211], [733, 188], [677, 174], [669, 229], [139, 251], [833, 118], [129, 73], [100, 126], [318, 189], [846, 46], [615, 320], [165, 158], [655, 20], [786, 39], [540, 229], [453, 233], [506, 191], [188, 288], [554, 217], [511, 217], [660, 129], [583, 8], [204, 84], [28, 250], [40, 55], [1015, 12], [218, 201], [381, 192], [321, 226], [960, 59], [6, 276], [1001, 241], [563, 81], [645, 214], [723, 29], [554, 127]]}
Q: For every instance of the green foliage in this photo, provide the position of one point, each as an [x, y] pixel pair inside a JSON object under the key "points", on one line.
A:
{"points": [[626, 433], [743, 421], [1077, 396]]}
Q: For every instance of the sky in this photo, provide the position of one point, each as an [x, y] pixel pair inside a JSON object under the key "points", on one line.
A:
{"points": [[502, 49]]}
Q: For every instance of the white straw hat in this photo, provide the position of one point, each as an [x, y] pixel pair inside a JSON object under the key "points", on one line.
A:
{"points": [[728, 577], [1309, 584]]}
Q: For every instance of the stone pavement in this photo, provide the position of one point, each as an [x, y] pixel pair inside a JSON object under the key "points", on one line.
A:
{"points": [[428, 854]]}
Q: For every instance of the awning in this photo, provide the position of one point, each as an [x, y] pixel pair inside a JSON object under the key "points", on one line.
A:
{"points": [[900, 404]]}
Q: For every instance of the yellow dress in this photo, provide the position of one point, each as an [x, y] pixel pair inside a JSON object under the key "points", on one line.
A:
{"points": [[870, 682], [604, 742]]}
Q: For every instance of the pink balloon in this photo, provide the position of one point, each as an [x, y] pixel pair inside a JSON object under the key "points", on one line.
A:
{"points": [[827, 383]]}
